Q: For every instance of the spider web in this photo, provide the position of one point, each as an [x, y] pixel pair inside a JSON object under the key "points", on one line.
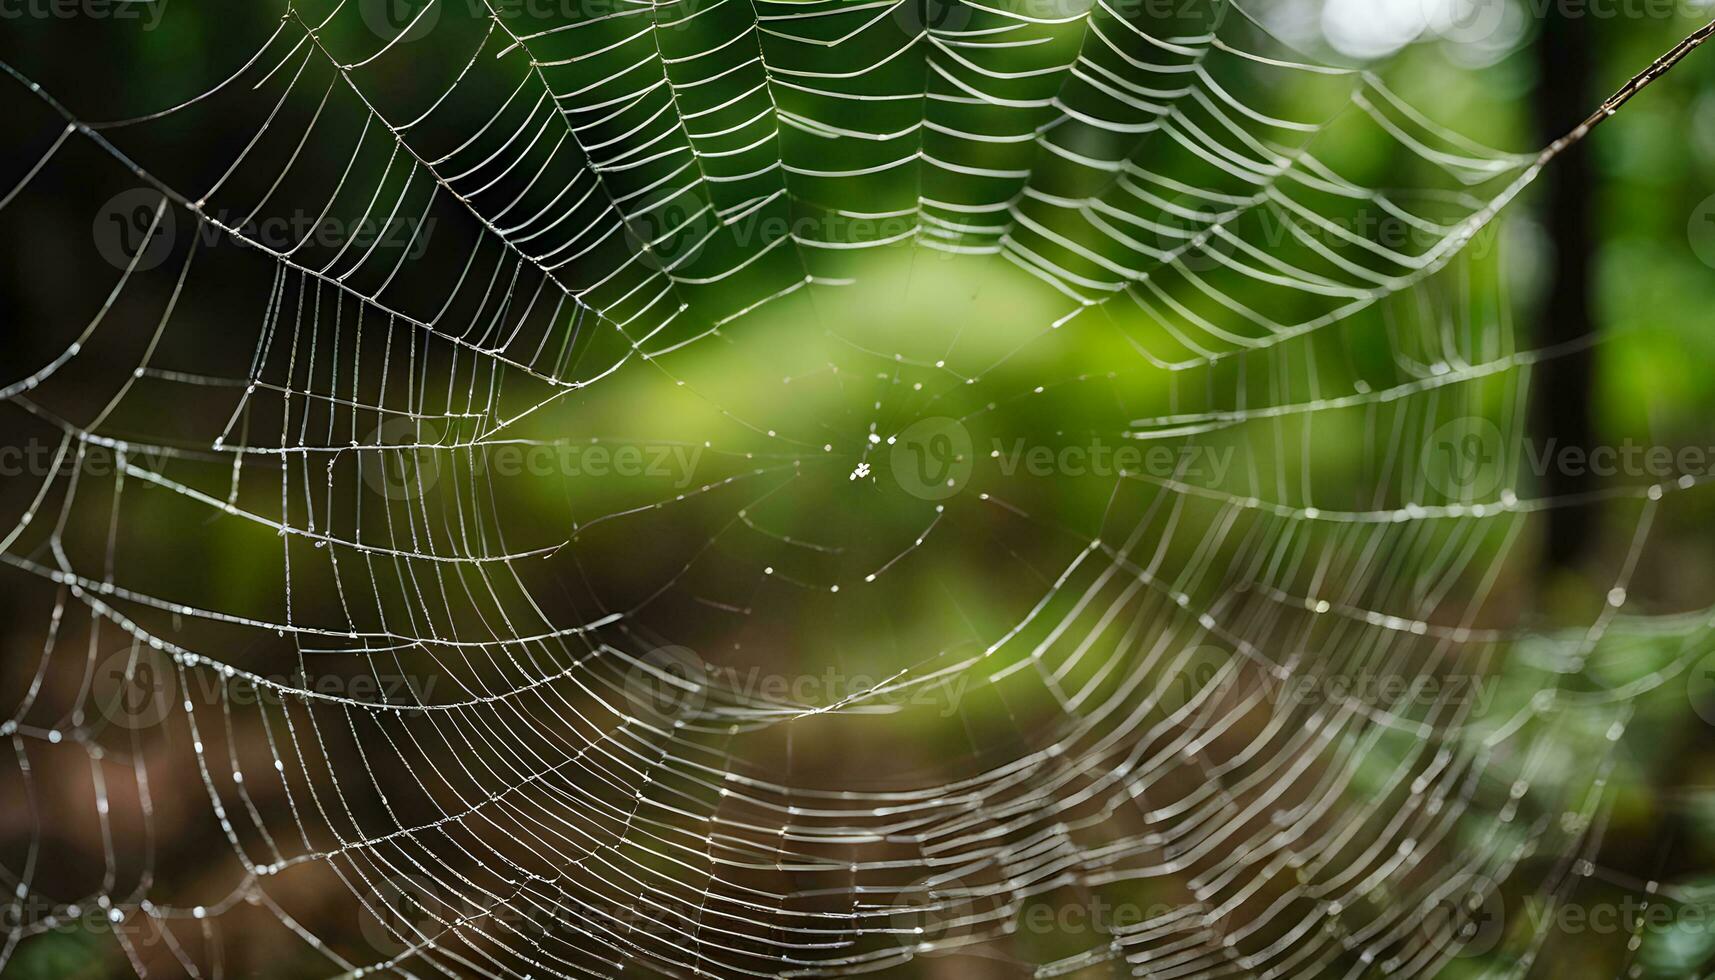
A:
{"points": [[446, 718]]}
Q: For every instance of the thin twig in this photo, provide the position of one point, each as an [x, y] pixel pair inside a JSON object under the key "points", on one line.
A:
{"points": [[1639, 82]]}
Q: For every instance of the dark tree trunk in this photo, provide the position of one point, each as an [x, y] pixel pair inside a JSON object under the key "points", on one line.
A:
{"points": [[1565, 94]]}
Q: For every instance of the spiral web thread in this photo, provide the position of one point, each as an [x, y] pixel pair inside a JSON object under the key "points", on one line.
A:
{"points": [[591, 223]]}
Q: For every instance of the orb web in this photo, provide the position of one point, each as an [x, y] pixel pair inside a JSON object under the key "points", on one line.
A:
{"points": [[790, 489]]}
